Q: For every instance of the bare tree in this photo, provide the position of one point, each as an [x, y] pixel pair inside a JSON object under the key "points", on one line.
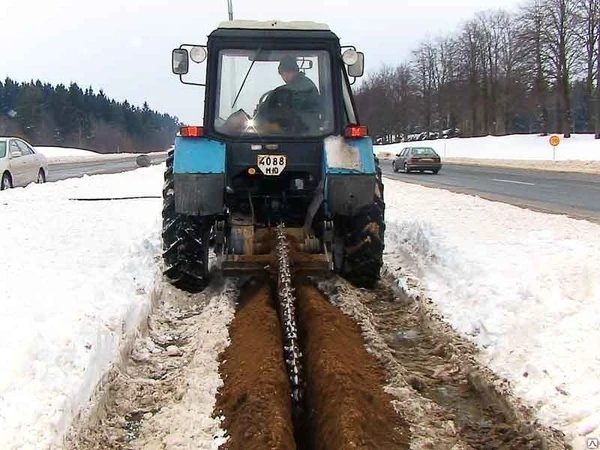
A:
{"points": [[445, 73], [425, 68], [511, 69], [598, 75], [563, 52], [588, 11], [404, 96], [383, 101], [491, 25], [531, 50], [498, 74], [470, 72]]}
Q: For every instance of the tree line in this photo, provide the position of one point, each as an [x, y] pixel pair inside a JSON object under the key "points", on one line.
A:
{"points": [[533, 70], [73, 117]]}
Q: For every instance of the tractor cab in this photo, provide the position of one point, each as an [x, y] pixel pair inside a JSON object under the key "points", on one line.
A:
{"points": [[273, 81]]}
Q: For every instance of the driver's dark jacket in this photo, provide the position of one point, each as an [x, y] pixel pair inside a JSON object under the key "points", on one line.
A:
{"points": [[305, 95], [297, 105]]}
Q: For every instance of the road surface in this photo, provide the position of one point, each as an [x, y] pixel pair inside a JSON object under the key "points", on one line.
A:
{"points": [[62, 171], [574, 194]]}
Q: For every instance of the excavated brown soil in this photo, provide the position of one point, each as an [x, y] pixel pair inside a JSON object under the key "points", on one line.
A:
{"points": [[482, 418], [346, 406], [256, 396], [442, 370]]}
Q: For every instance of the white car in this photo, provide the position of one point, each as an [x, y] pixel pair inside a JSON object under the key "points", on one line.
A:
{"points": [[20, 164]]}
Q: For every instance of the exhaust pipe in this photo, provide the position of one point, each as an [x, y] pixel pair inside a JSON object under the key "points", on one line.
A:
{"points": [[230, 9]]}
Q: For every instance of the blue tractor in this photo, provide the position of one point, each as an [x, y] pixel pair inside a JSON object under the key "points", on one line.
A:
{"points": [[280, 145]]}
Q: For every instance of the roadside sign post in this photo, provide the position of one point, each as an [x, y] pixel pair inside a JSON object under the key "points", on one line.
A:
{"points": [[554, 141]]}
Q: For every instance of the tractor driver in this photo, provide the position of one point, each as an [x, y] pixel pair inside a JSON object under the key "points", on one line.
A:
{"points": [[294, 106]]}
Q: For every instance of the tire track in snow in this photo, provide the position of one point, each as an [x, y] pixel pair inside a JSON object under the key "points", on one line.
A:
{"points": [[163, 396], [449, 400]]}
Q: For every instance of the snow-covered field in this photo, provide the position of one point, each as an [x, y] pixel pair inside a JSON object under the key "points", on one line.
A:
{"points": [[76, 283], [578, 153], [65, 154], [524, 286], [78, 278]]}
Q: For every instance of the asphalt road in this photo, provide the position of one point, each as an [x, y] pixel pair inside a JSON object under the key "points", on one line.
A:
{"points": [[574, 194], [62, 171]]}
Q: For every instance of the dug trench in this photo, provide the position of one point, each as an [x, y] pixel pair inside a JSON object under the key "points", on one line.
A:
{"points": [[380, 371], [344, 403]]}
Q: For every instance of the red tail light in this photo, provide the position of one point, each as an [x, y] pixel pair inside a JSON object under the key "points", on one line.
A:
{"points": [[191, 131], [414, 160], [355, 131]]}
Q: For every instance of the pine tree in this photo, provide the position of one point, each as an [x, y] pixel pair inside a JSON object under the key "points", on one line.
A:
{"points": [[57, 115]]}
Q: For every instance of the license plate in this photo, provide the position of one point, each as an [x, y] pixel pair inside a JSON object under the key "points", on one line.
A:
{"points": [[271, 165], [426, 160]]}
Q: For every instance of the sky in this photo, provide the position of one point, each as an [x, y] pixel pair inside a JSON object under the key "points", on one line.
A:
{"points": [[125, 47]]}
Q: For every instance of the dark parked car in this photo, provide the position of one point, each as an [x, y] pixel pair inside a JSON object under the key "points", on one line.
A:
{"points": [[417, 158]]}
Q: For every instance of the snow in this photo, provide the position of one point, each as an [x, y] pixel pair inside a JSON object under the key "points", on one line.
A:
{"points": [[582, 147], [580, 153], [187, 422], [67, 154], [76, 282], [524, 286], [78, 277], [66, 151], [555, 166], [340, 155]]}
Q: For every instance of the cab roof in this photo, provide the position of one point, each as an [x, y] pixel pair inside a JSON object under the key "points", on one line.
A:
{"points": [[273, 25]]}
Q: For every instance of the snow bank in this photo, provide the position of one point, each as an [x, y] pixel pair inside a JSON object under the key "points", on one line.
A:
{"points": [[554, 166], [76, 281], [65, 155], [66, 151], [580, 147], [187, 421], [524, 286]]}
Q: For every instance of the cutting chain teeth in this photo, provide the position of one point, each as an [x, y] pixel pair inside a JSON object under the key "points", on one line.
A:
{"points": [[287, 311]]}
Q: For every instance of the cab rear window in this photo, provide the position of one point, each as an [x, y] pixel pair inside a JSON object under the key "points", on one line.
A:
{"points": [[2, 149]]}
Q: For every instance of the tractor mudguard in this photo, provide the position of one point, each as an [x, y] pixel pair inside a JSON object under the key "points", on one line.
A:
{"points": [[199, 176], [350, 174]]}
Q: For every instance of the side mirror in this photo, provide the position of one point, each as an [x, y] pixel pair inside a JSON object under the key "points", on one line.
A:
{"points": [[357, 69], [180, 61]]}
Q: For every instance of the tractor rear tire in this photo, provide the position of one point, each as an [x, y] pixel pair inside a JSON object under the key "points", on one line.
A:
{"points": [[185, 241], [364, 242]]}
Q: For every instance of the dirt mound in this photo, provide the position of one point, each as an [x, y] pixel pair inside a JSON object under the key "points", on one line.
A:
{"points": [[347, 407], [256, 396]]}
